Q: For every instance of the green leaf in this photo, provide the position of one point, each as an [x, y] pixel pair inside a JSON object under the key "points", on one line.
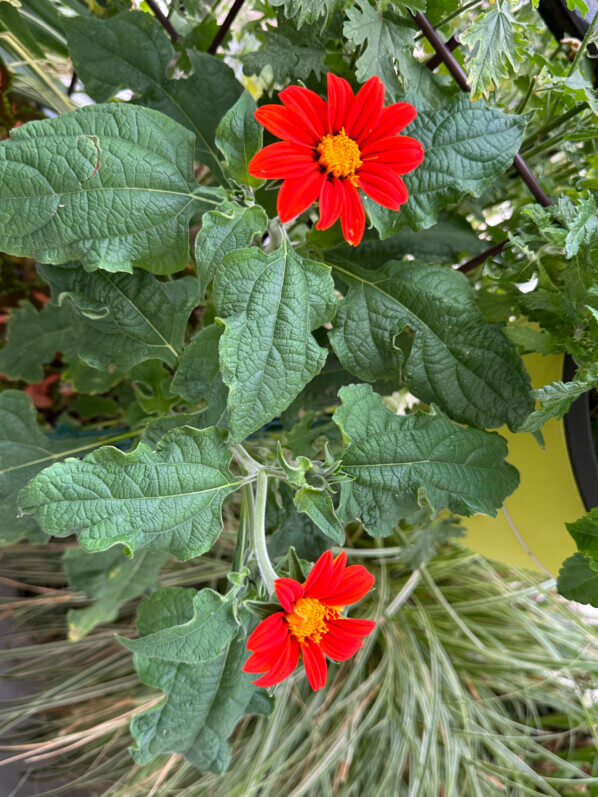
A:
{"points": [[158, 427], [287, 58], [385, 40], [124, 319], [556, 399], [198, 375], [391, 458], [86, 379], [24, 451], [133, 51], [467, 146], [308, 10], [203, 702], [110, 577], [167, 500], [424, 542], [121, 197], [317, 505], [239, 137], [585, 533], [296, 530], [576, 88], [269, 304], [223, 230], [457, 360], [447, 241], [496, 47], [34, 337], [204, 636], [578, 580], [576, 224]]}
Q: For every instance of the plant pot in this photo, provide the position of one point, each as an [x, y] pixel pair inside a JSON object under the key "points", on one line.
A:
{"points": [[559, 483]]}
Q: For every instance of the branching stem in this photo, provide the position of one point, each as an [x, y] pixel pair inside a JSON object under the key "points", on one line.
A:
{"points": [[260, 550]]}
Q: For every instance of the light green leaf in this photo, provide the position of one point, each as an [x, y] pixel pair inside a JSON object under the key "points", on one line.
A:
{"points": [[386, 41], [569, 225], [198, 375], [577, 88], [467, 146], [203, 702], [391, 458], [133, 51], [288, 58], [24, 451], [269, 304], [223, 230], [34, 337], [456, 360], [578, 580], [496, 47], [239, 137], [308, 10], [124, 319], [317, 505], [204, 636], [109, 185], [556, 399], [585, 533], [167, 500], [110, 577]]}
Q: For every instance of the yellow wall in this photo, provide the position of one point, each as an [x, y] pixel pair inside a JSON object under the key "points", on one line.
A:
{"points": [[546, 497]]}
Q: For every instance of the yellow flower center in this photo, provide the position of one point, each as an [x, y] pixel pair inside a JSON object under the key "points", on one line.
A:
{"points": [[308, 619], [339, 154]]}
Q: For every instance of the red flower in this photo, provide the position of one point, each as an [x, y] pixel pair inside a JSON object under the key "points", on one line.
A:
{"points": [[311, 623], [331, 149]]}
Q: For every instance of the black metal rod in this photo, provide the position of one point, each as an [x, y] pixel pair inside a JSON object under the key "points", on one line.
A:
{"points": [[483, 256], [72, 84], [436, 60], [163, 20], [224, 28]]}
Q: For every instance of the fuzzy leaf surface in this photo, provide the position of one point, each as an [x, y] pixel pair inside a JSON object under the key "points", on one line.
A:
{"points": [[167, 500], [211, 628], [239, 137], [133, 51], [198, 375], [585, 533], [112, 579], [578, 580], [467, 146], [223, 230], [124, 319], [556, 400], [34, 337], [203, 702], [391, 458], [269, 305], [317, 505], [109, 185], [457, 360]]}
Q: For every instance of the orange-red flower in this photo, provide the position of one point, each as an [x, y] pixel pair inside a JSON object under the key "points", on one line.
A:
{"points": [[311, 623], [332, 149]]}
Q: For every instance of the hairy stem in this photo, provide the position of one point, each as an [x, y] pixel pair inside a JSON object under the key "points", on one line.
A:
{"points": [[260, 550]]}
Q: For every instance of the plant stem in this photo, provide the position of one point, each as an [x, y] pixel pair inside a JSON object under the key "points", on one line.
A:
{"points": [[246, 507], [260, 550], [245, 459], [584, 44]]}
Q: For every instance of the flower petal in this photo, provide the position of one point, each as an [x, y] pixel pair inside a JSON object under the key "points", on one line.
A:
{"points": [[266, 658], [383, 185], [393, 119], [366, 109], [285, 123], [356, 582], [330, 580], [352, 214], [314, 661], [343, 628], [400, 153], [340, 97], [269, 633], [288, 591], [339, 650], [319, 575], [297, 194], [283, 159], [331, 197], [310, 105], [285, 666]]}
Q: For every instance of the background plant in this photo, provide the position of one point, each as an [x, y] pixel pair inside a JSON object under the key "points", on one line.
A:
{"points": [[159, 348]]}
